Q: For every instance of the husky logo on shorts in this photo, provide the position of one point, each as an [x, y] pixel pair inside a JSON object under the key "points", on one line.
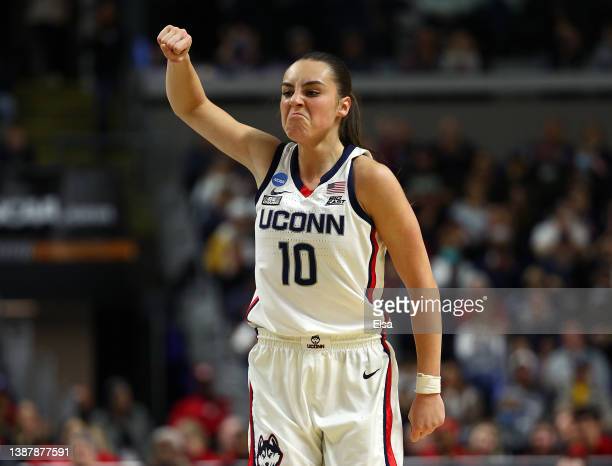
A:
{"points": [[268, 452], [315, 340]]}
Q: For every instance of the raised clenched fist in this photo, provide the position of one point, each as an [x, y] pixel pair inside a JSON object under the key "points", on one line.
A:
{"points": [[174, 43]]}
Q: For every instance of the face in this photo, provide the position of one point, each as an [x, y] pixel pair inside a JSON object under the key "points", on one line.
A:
{"points": [[310, 106]]}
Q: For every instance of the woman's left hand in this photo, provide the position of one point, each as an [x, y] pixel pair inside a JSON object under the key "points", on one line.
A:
{"points": [[426, 415]]}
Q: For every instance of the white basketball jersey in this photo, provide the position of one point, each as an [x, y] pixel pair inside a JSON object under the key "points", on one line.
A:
{"points": [[317, 252]]}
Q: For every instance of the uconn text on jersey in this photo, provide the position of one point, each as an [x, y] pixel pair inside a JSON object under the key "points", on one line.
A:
{"points": [[326, 224]]}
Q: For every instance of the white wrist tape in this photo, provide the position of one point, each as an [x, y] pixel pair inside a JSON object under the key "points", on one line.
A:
{"points": [[427, 384]]}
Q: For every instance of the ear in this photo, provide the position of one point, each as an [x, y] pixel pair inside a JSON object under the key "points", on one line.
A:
{"points": [[260, 446], [273, 440], [344, 105]]}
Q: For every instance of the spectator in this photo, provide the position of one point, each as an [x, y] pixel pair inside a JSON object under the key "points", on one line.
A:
{"points": [[449, 267], [447, 439], [353, 50], [559, 369], [520, 405], [299, 42], [423, 54], [481, 352], [196, 441], [238, 49], [462, 402], [126, 422], [108, 47], [453, 153], [593, 441], [551, 159], [211, 194], [83, 450], [484, 439], [230, 248], [75, 429], [602, 57], [471, 212], [233, 441], [80, 403], [500, 261], [568, 48], [543, 440], [425, 188], [395, 144], [204, 405], [30, 428], [567, 429], [16, 151], [583, 392], [168, 448], [564, 227], [461, 54]]}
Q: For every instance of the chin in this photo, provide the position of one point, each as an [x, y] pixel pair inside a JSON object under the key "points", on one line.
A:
{"points": [[296, 134]]}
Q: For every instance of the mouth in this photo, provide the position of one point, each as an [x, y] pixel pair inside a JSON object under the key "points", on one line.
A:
{"points": [[294, 115]]}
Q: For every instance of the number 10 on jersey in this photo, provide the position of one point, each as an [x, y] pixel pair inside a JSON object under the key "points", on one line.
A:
{"points": [[301, 252]]}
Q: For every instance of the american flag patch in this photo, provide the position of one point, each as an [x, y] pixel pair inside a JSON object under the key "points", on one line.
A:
{"points": [[337, 187]]}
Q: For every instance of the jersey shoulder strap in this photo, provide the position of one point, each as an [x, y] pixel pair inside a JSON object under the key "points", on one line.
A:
{"points": [[281, 151]]}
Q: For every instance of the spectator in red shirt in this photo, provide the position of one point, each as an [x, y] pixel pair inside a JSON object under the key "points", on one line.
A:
{"points": [[593, 440], [445, 441], [204, 405]]}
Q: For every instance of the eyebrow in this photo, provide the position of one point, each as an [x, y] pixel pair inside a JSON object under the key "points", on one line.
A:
{"points": [[307, 83]]}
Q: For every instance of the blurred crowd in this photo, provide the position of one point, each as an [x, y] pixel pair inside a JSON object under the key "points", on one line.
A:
{"points": [[393, 36], [467, 36], [200, 426]]}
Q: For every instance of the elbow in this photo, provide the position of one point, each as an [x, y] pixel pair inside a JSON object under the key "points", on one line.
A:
{"points": [[184, 111]]}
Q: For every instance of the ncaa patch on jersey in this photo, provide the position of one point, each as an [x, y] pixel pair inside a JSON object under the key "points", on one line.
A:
{"points": [[279, 179], [271, 200], [335, 200]]}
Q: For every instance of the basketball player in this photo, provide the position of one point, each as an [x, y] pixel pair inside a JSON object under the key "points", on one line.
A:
{"points": [[322, 390]]}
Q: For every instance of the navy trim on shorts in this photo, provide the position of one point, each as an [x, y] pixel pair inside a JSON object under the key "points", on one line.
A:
{"points": [[273, 166], [353, 196]]}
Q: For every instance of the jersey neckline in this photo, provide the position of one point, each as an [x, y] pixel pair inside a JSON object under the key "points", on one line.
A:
{"points": [[295, 169]]}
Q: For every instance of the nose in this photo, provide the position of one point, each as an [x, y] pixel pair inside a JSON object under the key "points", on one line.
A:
{"points": [[296, 99]]}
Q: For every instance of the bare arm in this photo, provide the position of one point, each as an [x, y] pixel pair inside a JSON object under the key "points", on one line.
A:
{"points": [[383, 199], [249, 146]]}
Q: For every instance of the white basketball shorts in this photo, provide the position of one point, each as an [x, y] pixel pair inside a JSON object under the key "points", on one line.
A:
{"points": [[323, 400]]}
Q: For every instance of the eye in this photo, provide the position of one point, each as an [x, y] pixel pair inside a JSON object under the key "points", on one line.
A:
{"points": [[312, 93], [286, 93]]}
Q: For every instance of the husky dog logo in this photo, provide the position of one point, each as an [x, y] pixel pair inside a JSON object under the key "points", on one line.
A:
{"points": [[315, 340], [268, 452]]}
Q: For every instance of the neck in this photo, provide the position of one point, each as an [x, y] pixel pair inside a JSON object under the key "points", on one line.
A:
{"points": [[316, 159]]}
